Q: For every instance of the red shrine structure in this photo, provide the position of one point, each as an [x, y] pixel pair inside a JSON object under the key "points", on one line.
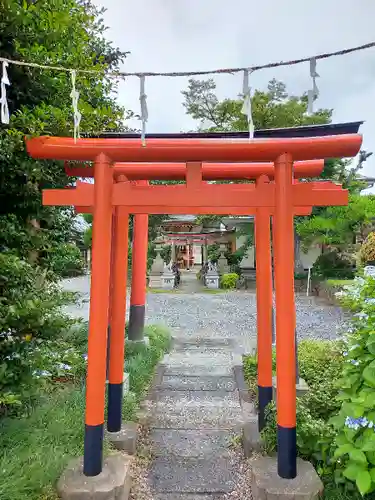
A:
{"points": [[122, 189]]}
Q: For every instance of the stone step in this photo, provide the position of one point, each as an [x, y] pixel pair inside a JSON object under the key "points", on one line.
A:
{"points": [[192, 443], [197, 398], [224, 370], [187, 496], [170, 475], [198, 383], [203, 417], [208, 342], [198, 357]]}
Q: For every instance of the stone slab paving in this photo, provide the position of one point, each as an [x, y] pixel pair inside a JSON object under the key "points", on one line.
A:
{"points": [[195, 415]]}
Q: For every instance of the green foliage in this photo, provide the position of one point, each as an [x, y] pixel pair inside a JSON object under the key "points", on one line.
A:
{"points": [[354, 446], [65, 260], [272, 108], [338, 225], [367, 251], [64, 33], [45, 442], [229, 281], [30, 313], [313, 436], [320, 364], [332, 265]]}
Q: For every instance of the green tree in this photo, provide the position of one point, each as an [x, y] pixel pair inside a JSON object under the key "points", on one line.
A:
{"points": [[273, 108], [337, 226], [65, 33]]}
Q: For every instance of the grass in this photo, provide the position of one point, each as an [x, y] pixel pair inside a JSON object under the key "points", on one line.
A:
{"points": [[211, 291], [35, 450], [337, 283]]}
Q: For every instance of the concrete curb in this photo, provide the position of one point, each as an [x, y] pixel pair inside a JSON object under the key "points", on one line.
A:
{"points": [[243, 390], [156, 382], [251, 438]]}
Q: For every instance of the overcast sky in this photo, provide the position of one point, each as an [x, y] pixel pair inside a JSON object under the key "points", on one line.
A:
{"points": [[183, 35]]}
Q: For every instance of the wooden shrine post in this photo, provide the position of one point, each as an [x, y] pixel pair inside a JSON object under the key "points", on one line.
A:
{"points": [[98, 323], [263, 271], [139, 272], [117, 327], [285, 318]]}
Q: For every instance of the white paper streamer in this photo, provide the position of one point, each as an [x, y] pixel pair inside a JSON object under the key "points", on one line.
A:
{"points": [[246, 108], [314, 92], [76, 114], [3, 99], [144, 110]]}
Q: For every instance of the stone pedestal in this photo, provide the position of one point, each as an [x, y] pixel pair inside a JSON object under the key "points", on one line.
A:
{"points": [[154, 281], [267, 485], [126, 438], [301, 388], [113, 483], [212, 279], [168, 280]]}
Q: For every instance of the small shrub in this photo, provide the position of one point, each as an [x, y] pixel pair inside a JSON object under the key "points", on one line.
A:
{"points": [[320, 365], [65, 260], [333, 265], [367, 250], [30, 313], [300, 276], [229, 281], [250, 368]]}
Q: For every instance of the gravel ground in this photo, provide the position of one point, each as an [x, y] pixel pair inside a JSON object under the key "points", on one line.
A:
{"points": [[231, 315]]}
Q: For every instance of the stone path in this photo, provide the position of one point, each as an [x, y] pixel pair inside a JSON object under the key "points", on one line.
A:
{"points": [[189, 282], [195, 415]]}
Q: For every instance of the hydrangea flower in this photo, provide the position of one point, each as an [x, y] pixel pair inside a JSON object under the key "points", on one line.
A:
{"points": [[356, 423], [64, 366]]}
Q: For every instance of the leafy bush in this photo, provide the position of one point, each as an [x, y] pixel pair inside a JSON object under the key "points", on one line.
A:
{"points": [[320, 365], [332, 265], [355, 423], [229, 281], [30, 313], [300, 276], [314, 436], [367, 250], [65, 260]]}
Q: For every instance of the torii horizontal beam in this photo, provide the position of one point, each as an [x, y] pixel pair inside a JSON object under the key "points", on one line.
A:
{"points": [[202, 150], [210, 171], [236, 199]]}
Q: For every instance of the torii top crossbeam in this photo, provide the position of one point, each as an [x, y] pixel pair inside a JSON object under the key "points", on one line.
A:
{"points": [[190, 150], [210, 171]]}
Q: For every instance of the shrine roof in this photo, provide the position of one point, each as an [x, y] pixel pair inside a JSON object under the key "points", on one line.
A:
{"points": [[287, 132]]}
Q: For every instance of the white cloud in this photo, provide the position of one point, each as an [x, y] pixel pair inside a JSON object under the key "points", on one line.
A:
{"points": [[180, 35]]}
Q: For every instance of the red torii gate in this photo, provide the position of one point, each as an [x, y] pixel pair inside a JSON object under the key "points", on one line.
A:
{"points": [[142, 172], [279, 199]]}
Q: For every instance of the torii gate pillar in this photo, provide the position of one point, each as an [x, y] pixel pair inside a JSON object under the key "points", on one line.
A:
{"points": [[139, 271]]}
